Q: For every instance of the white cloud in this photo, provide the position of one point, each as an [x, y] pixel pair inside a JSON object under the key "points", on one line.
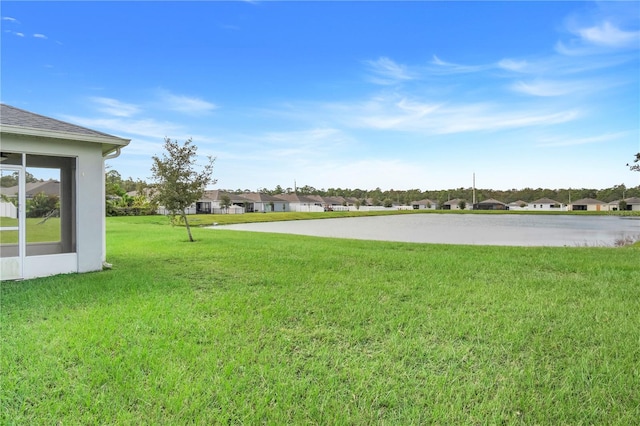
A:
{"points": [[42, 36], [303, 145], [403, 114], [366, 173], [10, 19], [429, 118], [513, 65], [149, 128], [572, 140], [185, 104], [449, 67], [543, 88], [141, 147], [388, 72], [114, 107], [550, 88], [438, 61], [606, 34]]}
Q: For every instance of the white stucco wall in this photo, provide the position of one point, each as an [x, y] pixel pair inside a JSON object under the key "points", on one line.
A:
{"points": [[546, 207]]}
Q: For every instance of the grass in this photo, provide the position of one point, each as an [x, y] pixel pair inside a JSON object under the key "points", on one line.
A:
{"points": [[227, 219], [36, 230], [248, 328]]}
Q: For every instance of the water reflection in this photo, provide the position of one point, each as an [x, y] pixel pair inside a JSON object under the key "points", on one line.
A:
{"points": [[506, 230]]}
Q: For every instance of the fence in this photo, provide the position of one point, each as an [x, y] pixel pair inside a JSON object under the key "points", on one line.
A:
{"points": [[8, 210]]}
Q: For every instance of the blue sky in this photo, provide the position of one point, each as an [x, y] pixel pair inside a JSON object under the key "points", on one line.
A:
{"points": [[396, 95]]}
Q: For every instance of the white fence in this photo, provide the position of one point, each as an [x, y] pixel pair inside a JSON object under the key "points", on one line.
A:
{"points": [[192, 210], [230, 210], [305, 208], [8, 210]]}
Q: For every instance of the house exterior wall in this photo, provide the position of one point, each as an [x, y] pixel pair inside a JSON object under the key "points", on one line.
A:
{"points": [[422, 205], [516, 207], [305, 207], [591, 207], [454, 205], [89, 191], [546, 207]]}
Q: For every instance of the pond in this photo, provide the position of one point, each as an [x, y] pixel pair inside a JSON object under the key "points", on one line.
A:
{"points": [[478, 229]]}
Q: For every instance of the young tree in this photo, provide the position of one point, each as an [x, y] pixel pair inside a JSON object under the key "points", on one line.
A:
{"points": [[178, 183], [225, 202], [635, 167]]}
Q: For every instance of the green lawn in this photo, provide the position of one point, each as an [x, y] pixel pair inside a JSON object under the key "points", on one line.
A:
{"points": [[36, 230], [250, 328]]}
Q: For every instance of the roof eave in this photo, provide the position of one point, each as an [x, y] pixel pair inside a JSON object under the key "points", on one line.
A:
{"points": [[109, 143]]}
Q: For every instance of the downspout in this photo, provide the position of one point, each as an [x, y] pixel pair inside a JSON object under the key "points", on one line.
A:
{"points": [[111, 156]]}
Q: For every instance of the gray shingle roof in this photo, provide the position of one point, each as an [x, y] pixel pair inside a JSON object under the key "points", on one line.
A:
{"points": [[491, 201], [12, 116], [632, 200], [260, 197], [453, 202], [424, 202], [585, 201], [216, 195], [295, 198], [49, 187]]}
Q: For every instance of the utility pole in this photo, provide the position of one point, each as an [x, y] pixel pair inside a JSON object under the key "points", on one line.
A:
{"points": [[474, 189]]}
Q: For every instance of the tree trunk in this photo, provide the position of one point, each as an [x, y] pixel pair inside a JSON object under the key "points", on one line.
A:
{"points": [[186, 223]]}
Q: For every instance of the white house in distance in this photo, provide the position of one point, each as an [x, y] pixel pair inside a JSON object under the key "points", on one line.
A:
{"points": [[518, 205], [630, 204], [546, 204], [633, 203], [589, 204], [454, 204], [35, 144], [425, 204]]}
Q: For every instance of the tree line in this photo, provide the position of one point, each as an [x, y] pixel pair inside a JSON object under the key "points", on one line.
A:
{"points": [[183, 158], [119, 187], [405, 197]]}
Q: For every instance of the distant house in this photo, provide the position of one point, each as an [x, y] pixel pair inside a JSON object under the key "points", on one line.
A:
{"points": [[518, 205], [318, 200], [258, 202], [614, 205], [352, 201], [633, 203], [48, 187], [589, 204], [425, 204], [212, 202], [490, 204], [302, 203], [453, 204], [75, 154], [335, 203], [628, 204], [545, 204]]}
